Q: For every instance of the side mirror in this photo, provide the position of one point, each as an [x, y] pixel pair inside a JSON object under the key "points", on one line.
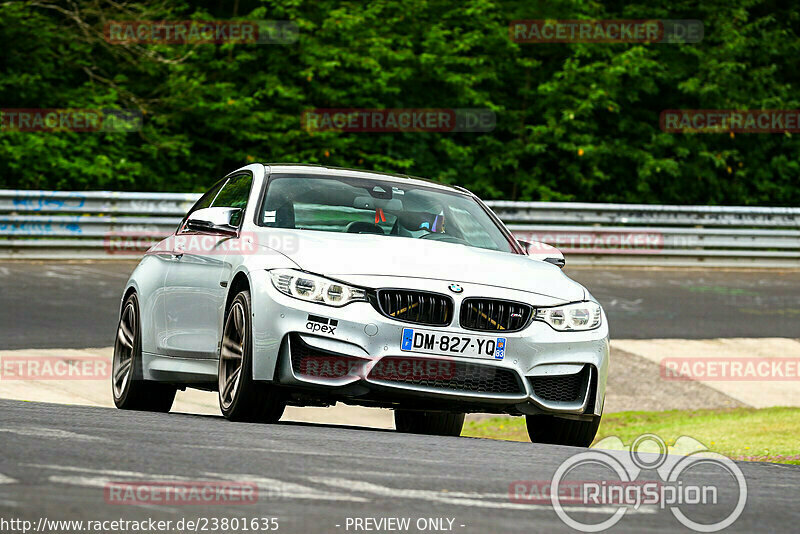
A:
{"points": [[224, 221], [543, 252]]}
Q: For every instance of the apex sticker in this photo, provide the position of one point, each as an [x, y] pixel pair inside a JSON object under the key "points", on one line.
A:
{"points": [[322, 324]]}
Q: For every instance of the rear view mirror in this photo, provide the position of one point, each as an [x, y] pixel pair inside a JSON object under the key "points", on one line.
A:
{"points": [[223, 221], [543, 252], [370, 203]]}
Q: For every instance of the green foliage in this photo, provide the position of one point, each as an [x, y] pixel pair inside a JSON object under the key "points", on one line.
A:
{"points": [[760, 435], [574, 121]]}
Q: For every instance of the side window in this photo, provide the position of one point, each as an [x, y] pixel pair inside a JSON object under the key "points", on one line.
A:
{"points": [[234, 194], [203, 202]]}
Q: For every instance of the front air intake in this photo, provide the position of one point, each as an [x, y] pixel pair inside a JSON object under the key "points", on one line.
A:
{"points": [[449, 375], [494, 315], [311, 363], [562, 388], [421, 307]]}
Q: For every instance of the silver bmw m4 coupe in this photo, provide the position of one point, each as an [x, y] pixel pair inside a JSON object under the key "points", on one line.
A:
{"points": [[306, 285]]}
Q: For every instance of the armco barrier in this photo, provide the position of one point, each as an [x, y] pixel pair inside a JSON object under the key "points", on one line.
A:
{"points": [[77, 225]]}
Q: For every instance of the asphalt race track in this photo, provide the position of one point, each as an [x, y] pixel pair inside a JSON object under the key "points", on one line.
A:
{"points": [[75, 305], [57, 460]]}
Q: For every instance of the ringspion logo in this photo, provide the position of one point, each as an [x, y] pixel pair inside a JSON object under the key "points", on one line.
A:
{"points": [[695, 488]]}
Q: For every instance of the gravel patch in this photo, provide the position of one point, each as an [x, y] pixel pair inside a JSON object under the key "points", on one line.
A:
{"points": [[635, 383]]}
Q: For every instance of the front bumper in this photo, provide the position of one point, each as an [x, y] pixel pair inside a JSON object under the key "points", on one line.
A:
{"points": [[358, 359]]}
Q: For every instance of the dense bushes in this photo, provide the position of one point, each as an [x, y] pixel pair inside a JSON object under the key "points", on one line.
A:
{"points": [[574, 121]]}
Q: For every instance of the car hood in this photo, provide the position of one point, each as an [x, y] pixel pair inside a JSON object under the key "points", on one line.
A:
{"points": [[341, 255]]}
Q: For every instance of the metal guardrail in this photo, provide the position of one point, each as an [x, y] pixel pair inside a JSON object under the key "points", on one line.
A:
{"points": [[84, 225], [96, 202]]}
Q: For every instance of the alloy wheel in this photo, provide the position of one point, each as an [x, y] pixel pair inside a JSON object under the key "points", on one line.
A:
{"points": [[122, 367], [231, 355]]}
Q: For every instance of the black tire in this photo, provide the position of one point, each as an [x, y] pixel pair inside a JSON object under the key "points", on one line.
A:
{"points": [[430, 423], [558, 431], [128, 386], [246, 400]]}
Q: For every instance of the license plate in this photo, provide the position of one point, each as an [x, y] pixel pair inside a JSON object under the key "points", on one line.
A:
{"points": [[432, 342]]}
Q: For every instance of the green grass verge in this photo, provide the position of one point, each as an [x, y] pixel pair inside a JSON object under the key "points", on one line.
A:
{"points": [[767, 434]]}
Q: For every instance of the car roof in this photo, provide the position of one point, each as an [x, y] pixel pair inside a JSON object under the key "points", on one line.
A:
{"points": [[301, 168]]}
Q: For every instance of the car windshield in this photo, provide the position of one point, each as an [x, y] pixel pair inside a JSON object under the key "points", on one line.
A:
{"points": [[387, 208]]}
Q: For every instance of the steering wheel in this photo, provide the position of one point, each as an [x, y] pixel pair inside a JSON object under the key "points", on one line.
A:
{"points": [[444, 238], [361, 227]]}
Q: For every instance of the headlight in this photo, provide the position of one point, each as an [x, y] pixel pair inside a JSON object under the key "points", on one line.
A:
{"points": [[571, 317], [313, 288]]}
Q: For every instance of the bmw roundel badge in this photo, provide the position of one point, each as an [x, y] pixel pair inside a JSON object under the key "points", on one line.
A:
{"points": [[455, 288]]}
